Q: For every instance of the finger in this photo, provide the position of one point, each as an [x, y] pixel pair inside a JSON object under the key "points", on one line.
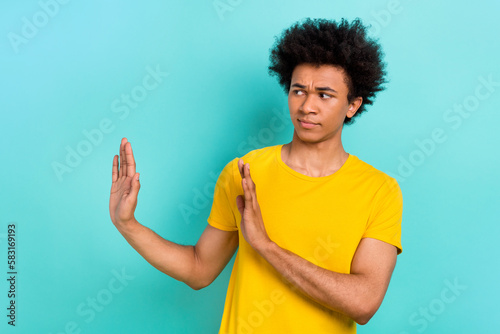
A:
{"points": [[124, 157], [248, 177], [136, 185], [251, 188], [130, 161], [114, 173], [247, 192], [122, 171], [240, 168]]}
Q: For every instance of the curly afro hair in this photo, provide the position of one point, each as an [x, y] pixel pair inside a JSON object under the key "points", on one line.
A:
{"points": [[323, 42]]}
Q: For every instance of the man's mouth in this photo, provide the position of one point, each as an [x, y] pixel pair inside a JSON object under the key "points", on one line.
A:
{"points": [[307, 124]]}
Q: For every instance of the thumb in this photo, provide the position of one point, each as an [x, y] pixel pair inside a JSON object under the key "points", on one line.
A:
{"points": [[240, 203], [136, 185]]}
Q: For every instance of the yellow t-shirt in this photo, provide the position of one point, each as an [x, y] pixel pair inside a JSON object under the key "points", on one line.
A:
{"points": [[321, 219]]}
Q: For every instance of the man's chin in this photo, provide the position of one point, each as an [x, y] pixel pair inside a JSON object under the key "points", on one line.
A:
{"points": [[311, 138]]}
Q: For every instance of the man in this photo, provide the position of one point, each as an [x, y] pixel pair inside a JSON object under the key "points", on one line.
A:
{"points": [[318, 229]]}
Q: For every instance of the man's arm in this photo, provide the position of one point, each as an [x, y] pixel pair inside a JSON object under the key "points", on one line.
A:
{"points": [[198, 265], [357, 295]]}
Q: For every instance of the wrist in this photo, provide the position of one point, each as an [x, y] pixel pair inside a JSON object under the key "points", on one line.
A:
{"points": [[266, 248], [127, 226]]}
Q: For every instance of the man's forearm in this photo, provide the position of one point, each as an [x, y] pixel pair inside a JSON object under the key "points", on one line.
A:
{"points": [[349, 294], [175, 260]]}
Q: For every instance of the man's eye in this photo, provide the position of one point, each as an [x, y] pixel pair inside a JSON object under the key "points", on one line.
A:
{"points": [[324, 96], [298, 92]]}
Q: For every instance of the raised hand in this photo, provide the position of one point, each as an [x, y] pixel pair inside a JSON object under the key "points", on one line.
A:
{"points": [[124, 188], [252, 225]]}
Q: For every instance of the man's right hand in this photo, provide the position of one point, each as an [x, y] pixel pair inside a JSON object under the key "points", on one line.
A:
{"points": [[124, 188], [197, 265]]}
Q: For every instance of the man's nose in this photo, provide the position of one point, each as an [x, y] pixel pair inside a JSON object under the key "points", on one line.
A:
{"points": [[309, 105]]}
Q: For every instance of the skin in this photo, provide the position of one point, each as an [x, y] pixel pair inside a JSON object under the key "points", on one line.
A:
{"points": [[317, 95]]}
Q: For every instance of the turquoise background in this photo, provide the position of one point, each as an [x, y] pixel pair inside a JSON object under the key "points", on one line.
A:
{"points": [[68, 77]]}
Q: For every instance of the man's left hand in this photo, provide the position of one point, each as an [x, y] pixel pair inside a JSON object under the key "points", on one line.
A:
{"points": [[252, 225]]}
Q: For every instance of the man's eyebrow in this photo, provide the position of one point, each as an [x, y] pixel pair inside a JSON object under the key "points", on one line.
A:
{"points": [[326, 88]]}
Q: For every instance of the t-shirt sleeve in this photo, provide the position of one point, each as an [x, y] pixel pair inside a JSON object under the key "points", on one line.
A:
{"points": [[385, 219], [224, 203]]}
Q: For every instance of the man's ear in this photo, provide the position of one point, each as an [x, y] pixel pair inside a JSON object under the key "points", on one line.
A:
{"points": [[354, 106]]}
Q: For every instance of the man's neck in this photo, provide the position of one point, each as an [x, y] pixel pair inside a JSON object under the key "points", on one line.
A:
{"points": [[314, 159]]}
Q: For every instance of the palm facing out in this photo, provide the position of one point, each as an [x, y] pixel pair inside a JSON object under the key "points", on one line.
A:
{"points": [[125, 186]]}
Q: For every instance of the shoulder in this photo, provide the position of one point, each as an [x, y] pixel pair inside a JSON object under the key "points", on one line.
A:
{"points": [[261, 154], [369, 174], [258, 159]]}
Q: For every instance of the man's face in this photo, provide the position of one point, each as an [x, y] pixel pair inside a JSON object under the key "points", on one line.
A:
{"points": [[318, 103]]}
